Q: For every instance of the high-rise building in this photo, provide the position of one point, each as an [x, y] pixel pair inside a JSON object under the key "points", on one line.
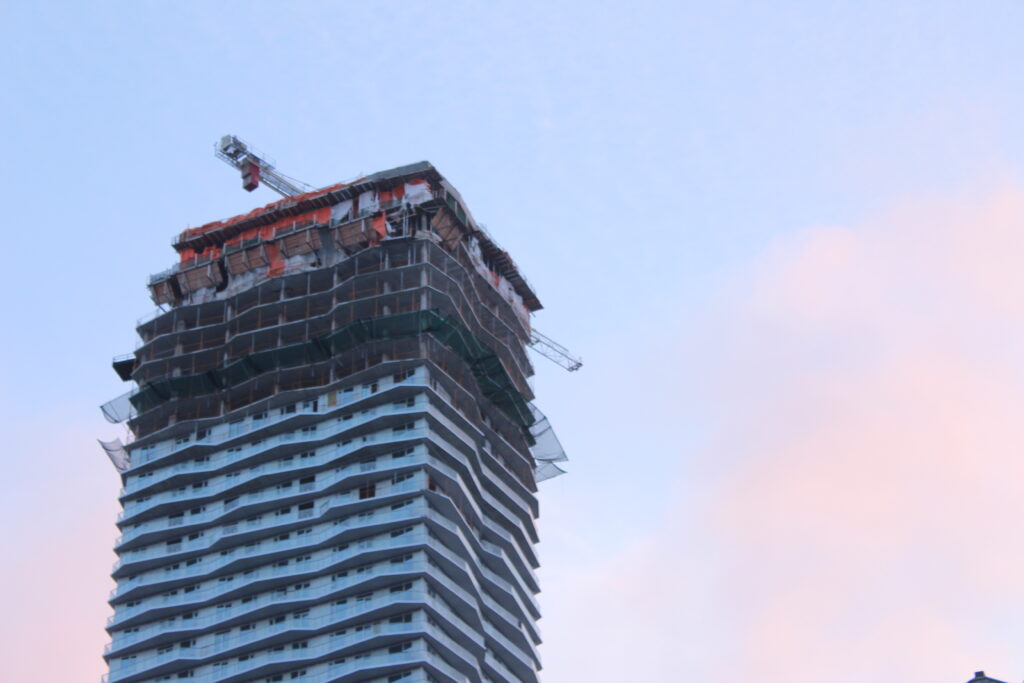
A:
{"points": [[333, 458]]}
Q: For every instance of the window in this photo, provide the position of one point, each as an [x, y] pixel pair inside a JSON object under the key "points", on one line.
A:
{"points": [[287, 410], [404, 503], [402, 587], [398, 532], [368, 464], [401, 647], [401, 619], [402, 477], [367, 491], [402, 376]]}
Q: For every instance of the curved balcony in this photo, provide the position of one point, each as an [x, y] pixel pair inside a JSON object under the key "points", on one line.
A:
{"points": [[319, 645]]}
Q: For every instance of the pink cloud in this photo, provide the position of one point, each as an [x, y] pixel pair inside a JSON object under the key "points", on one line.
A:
{"points": [[861, 518], [58, 541]]}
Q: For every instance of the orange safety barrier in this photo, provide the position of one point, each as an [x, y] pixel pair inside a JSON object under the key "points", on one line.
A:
{"points": [[276, 262], [266, 232], [380, 225]]}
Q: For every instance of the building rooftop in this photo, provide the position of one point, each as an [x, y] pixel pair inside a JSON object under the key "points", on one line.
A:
{"points": [[221, 233]]}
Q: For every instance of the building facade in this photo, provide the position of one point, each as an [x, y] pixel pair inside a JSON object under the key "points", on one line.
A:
{"points": [[333, 458]]}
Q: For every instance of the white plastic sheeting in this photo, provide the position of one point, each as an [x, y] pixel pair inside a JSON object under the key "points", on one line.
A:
{"points": [[117, 454], [547, 449], [342, 210], [417, 193], [119, 409], [369, 202]]}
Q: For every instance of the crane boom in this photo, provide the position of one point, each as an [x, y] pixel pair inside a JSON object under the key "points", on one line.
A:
{"points": [[554, 351], [256, 167]]}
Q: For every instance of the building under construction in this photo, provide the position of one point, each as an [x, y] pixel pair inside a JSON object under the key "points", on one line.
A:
{"points": [[333, 455]]}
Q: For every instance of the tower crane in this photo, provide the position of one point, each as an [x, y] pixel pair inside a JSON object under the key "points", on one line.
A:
{"points": [[256, 166]]}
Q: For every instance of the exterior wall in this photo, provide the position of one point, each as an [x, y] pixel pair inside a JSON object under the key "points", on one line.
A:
{"points": [[331, 478], [369, 530]]}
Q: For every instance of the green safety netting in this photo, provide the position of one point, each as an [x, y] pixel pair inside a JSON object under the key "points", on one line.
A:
{"points": [[487, 368]]}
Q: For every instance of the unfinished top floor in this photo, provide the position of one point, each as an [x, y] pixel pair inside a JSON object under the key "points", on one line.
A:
{"points": [[324, 227]]}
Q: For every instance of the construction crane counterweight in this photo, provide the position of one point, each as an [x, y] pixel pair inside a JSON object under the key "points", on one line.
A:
{"points": [[256, 167]]}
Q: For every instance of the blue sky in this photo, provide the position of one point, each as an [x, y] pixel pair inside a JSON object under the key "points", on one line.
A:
{"points": [[638, 160]]}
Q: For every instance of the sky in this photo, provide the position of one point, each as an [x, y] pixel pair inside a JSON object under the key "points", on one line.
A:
{"points": [[783, 236]]}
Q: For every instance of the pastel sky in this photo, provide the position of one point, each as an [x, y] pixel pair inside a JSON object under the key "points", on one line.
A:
{"points": [[785, 237]]}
